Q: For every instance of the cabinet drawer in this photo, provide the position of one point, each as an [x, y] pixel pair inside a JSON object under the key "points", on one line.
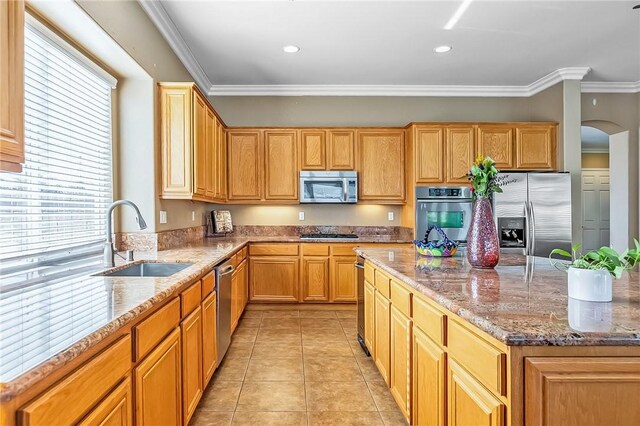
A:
{"points": [[114, 410], [273, 250], [87, 385], [208, 284], [151, 331], [343, 250], [430, 320], [480, 358], [369, 272], [401, 297], [315, 249], [382, 282], [190, 298]]}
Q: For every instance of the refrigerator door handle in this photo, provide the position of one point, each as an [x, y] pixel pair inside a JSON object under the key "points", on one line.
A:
{"points": [[528, 227], [533, 228]]}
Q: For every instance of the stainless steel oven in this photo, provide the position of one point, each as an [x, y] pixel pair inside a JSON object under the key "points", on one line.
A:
{"points": [[447, 207], [328, 187]]}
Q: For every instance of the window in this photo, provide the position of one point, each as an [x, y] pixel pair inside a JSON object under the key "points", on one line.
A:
{"points": [[54, 211]]}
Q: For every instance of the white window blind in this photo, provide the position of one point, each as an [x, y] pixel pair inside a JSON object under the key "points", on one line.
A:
{"points": [[55, 208]]}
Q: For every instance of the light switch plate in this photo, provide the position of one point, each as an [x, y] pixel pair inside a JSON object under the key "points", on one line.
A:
{"points": [[163, 216], [390, 216], [300, 215]]}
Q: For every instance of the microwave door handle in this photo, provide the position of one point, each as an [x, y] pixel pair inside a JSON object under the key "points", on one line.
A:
{"points": [[345, 190]]}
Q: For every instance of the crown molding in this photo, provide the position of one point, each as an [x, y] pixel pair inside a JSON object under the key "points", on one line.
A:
{"points": [[551, 79], [168, 29], [610, 87]]}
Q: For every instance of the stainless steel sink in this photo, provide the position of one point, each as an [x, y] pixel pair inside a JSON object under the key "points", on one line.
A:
{"points": [[149, 269]]}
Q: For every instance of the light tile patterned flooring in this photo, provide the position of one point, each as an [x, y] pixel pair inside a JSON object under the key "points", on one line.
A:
{"points": [[297, 367]]}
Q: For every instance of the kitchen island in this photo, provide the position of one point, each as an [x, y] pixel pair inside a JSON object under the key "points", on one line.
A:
{"points": [[507, 346]]}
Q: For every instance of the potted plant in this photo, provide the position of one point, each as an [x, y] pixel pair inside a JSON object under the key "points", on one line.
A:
{"points": [[590, 273]]}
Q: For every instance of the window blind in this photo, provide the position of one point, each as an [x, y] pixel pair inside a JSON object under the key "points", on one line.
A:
{"points": [[55, 208]]}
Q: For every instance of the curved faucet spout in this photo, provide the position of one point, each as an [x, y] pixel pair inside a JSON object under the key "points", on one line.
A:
{"points": [[109, 249]]}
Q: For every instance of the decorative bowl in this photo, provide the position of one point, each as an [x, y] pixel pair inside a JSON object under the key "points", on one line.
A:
{"points": [[444, 247]]}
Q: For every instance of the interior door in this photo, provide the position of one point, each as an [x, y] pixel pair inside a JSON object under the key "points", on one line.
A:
{"points": [[595, 209]]}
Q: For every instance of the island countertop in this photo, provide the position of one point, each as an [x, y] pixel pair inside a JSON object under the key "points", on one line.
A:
{"points": [[522, 302]]}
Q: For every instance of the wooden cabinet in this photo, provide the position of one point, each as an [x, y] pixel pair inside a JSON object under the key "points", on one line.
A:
{"points": [[341, 153], [244, 285], [200, 160], [315, 279], [382, 318], [381, 166], [114, 410], [244, 165], [158, 385], [221, 148], [12, 85], [238, 293], [211, 154], [191, 334], [274, 279], [496, 141], [332, 149], [536, 147], [400, 381], [281, 165], [313, 150], [470, 403], [429, 154], [459, 153], [582, 391], [343, 279], [429, 377], [209, 348], [369, 317]]}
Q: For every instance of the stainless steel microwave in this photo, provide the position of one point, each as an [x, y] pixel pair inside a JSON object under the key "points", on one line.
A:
{"points": [[328, 187]]}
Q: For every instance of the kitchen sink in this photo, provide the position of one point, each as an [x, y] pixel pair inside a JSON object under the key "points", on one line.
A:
{"points": [[148, 269]]}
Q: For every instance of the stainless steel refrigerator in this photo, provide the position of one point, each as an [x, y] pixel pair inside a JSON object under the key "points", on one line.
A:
{"points": [[533, 214]]}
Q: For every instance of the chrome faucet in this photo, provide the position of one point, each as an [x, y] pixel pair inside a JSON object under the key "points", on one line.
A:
{"points": [[110, 252]]}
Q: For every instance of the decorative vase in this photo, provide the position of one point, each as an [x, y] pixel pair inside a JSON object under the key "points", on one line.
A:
{"points": [[483, 249], [593, 285]]}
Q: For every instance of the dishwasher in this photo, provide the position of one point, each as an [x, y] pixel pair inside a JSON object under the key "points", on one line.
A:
{"points": [[223, 311]]}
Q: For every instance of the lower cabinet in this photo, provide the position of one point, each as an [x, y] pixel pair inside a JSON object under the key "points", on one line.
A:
{"points": [[191, 332], [470, 403], [401, 330], [382, 335], [244, 285], [343, 279], [315, 279], [209, 349], [369, 317], [274, 279], [114, 410], [429, 381], [158, 384], [239, 293]]}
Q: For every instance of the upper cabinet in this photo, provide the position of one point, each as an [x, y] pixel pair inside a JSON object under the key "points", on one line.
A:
{"points": [[332, 149], [459, 153], [429, 153], [536, 147], [497, 143], [381, 167], [245, 165], [11, 85], [192, 138], [281, 165]]}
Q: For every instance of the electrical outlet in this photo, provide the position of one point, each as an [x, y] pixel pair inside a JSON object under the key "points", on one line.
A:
{"points": [[300, 215], [193, 216], [392, 256], [390, 216], [163, 216]]}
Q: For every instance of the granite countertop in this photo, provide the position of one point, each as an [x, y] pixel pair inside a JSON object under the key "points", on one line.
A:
{"points": [[522, 302], [49, 322]]}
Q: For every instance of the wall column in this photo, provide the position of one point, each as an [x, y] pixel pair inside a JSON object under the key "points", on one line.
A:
{"points": [[572, 149]]}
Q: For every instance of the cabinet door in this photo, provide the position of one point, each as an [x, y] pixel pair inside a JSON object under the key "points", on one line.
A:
{"points": [[114, 410], [244, 165], [582, 391], [381, 165], [342, 150], [369, 317], [382, 336], [222, 164], [496, 142], [235, 299], [429, 152], [209, 349], [313, 150], [191, 331], [459, 153], [343, 279], [244, 285], [470, 403], [281, 165], [315, 279], [274, 279], [429, 381], [211, 162], [536, 147], [401, 330], [12, 85], [199, 145], [175, 133], [158, 383]]}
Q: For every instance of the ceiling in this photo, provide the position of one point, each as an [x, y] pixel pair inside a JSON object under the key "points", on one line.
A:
{"points": [[238, 44]]}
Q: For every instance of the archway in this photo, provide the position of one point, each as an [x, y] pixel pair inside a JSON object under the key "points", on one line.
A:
{"points": [[595, 188]]}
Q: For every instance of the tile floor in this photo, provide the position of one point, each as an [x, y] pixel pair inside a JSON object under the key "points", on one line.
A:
{"points": [[297, 367]]}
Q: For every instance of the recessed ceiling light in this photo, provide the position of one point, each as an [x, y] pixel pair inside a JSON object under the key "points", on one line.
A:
{"points": [[291, 48], [442, 49], [458, 14]]}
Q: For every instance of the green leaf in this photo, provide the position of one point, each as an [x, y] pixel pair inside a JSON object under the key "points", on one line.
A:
{"points": [[617, 271], [560, 252]]}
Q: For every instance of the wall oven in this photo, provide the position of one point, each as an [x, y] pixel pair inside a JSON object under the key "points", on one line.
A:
{"points": [[328, 187], [447, 207]]}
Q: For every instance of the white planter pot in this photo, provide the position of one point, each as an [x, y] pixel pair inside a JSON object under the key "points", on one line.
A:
{"points": [[592, 317], [590, 285]]}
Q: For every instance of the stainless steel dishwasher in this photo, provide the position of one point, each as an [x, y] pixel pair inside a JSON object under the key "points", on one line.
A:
{"points": [[223, 311], [360, 277]]}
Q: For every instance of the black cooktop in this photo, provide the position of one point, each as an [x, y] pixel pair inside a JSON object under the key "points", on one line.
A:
{"points": [[326, 236]]}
